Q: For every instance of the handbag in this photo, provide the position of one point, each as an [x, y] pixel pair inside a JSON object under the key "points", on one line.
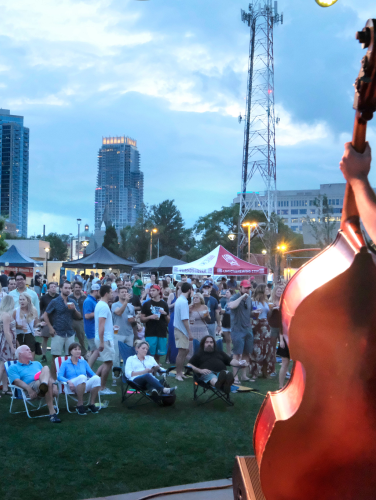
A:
{"points": [[38, 349]]}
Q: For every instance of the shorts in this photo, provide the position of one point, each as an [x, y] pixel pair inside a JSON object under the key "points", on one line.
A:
{"points": [[211, 329], [181, 340], [108, 353], [60, 345], [27, 339], [91, 383], [45, 332], [91, 344], [207, 378], [242, 342], [158, 345]]}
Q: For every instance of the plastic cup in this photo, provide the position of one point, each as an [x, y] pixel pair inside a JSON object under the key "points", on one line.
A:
{"points": [[116, 330], [71, 305]]}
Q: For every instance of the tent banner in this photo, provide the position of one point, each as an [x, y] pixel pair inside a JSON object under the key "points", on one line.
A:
{"points": [[28, 271]]}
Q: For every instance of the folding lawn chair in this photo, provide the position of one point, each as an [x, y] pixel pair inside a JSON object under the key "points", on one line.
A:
{"points": [[129, 388], [200, 388], [22, 395], [61, 385]]}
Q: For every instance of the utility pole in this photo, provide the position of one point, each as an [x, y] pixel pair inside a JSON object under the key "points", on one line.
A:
{"points": [[259, 156]]}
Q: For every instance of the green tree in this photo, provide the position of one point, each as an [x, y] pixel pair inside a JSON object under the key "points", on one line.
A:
{"points": [[3, 244], [59, 244], [323, 227], [111, 241], [174, 239], [134, 241]]}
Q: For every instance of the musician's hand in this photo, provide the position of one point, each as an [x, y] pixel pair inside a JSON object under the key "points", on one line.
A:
{"points": [[355, 166]]}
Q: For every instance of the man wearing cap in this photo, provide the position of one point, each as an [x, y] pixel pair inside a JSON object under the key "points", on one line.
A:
{"points": [[240, 309], [88, 308], [214, 308], [155, 315]]}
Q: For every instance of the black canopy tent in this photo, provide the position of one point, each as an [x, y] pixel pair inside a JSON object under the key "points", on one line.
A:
{"points": [[13, 257], [164, 263], [101, 259]]}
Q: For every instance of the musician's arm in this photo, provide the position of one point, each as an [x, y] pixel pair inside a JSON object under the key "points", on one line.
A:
{"points": [[355, 168]]}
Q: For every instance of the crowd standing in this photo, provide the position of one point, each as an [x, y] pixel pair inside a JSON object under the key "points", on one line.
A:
{"points": [[179, 320]]}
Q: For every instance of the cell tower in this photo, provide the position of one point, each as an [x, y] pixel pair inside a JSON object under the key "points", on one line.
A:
{"points": [[259, 130]]}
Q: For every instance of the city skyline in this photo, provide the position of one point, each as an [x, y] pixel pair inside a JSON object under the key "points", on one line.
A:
{"points": [[173, 76]]}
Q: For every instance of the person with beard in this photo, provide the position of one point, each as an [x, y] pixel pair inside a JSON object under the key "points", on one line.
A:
{"points": [[156, 316], [211, 365], [45, 331], [240, 309]]}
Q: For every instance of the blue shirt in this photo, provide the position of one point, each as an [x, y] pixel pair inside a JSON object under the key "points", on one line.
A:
{"points": [[68, 370], [61, 317], [24, 372], [89, 324], [212, 305]]}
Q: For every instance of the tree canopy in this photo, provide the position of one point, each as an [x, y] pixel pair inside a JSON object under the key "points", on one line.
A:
{"points": [[111, 240], [59, 246]]}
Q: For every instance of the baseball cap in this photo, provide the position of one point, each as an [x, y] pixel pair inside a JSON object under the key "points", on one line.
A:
{"points": [[95, 287], [246, 284], [207, 284]]}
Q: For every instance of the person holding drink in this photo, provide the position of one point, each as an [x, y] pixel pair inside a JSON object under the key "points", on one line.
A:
{"points": [[198, 311], [26, 317], [58, 317]]}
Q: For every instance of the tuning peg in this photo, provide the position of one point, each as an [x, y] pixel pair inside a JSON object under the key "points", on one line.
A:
{"points": [[364, 37]]}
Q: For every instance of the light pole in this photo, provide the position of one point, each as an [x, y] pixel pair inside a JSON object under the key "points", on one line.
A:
{"points": [[85, 244], [71, 246], [281, 249], [47, 250], [151, 239], [78, 242], [249, 225]]}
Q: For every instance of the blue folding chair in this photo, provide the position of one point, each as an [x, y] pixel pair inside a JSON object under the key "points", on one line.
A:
{"points": [[200, 387], [129, 388], [21, 395]]}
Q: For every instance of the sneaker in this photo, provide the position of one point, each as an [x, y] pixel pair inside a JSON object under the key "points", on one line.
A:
{"points": [[93, 409], [81, 410], [221, 379], [274, 374], [288, 375], [170, 390], [106, 391], [44, 359], [55, 419], [229, 380]]}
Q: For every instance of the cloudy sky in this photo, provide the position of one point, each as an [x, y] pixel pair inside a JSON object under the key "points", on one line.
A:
{"points": [[172, 75]]}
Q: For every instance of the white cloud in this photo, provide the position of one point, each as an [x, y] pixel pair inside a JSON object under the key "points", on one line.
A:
{"points": [[290, 133]]}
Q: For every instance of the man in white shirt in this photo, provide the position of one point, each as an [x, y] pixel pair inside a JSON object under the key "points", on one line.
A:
{"points": [[21, 288], [181, 329], [104, 336]]}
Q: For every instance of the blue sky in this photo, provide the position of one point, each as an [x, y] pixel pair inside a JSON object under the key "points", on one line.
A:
{"points": [[172, 75]]}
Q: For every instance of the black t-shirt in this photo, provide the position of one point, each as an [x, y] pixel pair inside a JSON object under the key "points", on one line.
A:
{"points": [[215, 361], [45, 300], [135, 301], [155, 327], [3, 280]]}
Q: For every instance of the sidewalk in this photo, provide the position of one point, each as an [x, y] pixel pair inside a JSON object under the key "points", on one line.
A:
{"points": [[225, 494]]}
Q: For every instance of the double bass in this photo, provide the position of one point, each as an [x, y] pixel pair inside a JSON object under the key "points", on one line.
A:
{"points": [[316, 438]]}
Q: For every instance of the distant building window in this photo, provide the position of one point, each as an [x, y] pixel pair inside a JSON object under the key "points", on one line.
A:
{"points": [[294, 228], [284, 212], [278, 212], [337, 210], [312, 203], [313, 211], [294, 221], [303, 211], [294, 211]]}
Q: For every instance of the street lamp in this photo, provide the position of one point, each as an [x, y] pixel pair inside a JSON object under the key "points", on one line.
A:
{"points": [[78, 242], [264, 252], [231, 236], [151, 239], [47, 250], [281, 248], [85, 243], [249, 225]]}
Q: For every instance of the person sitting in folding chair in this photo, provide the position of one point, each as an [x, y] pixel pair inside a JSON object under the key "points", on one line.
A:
{"points": [[80, 379], [211, 365], [142, 369], [34, 378]]}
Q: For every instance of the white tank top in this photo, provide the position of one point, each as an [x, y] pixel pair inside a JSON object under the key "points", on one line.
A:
{"points": [[20, 321]]}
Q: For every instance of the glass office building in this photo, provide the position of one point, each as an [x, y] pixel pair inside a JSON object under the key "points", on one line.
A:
{"points": [[119, 194], [14, 173]]}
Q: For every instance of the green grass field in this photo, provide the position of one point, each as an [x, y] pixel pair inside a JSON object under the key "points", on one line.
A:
{"points": [[122, 450]]}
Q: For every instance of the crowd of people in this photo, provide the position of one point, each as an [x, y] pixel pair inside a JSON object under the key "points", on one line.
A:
{"points": [[162, 318]]}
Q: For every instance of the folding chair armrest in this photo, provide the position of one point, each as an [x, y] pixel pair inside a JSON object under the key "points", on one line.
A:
{"points": [[168, 370]]}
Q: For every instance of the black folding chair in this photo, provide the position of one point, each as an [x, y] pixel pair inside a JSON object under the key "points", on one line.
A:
{"points": [[200, 388], [130, 389]]}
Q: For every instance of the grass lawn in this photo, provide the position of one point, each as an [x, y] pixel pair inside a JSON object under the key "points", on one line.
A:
{"points": [[120, 450]]}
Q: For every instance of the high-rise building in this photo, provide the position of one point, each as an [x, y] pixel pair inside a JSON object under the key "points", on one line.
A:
{"points": [[14, 173], [119, 194]]}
